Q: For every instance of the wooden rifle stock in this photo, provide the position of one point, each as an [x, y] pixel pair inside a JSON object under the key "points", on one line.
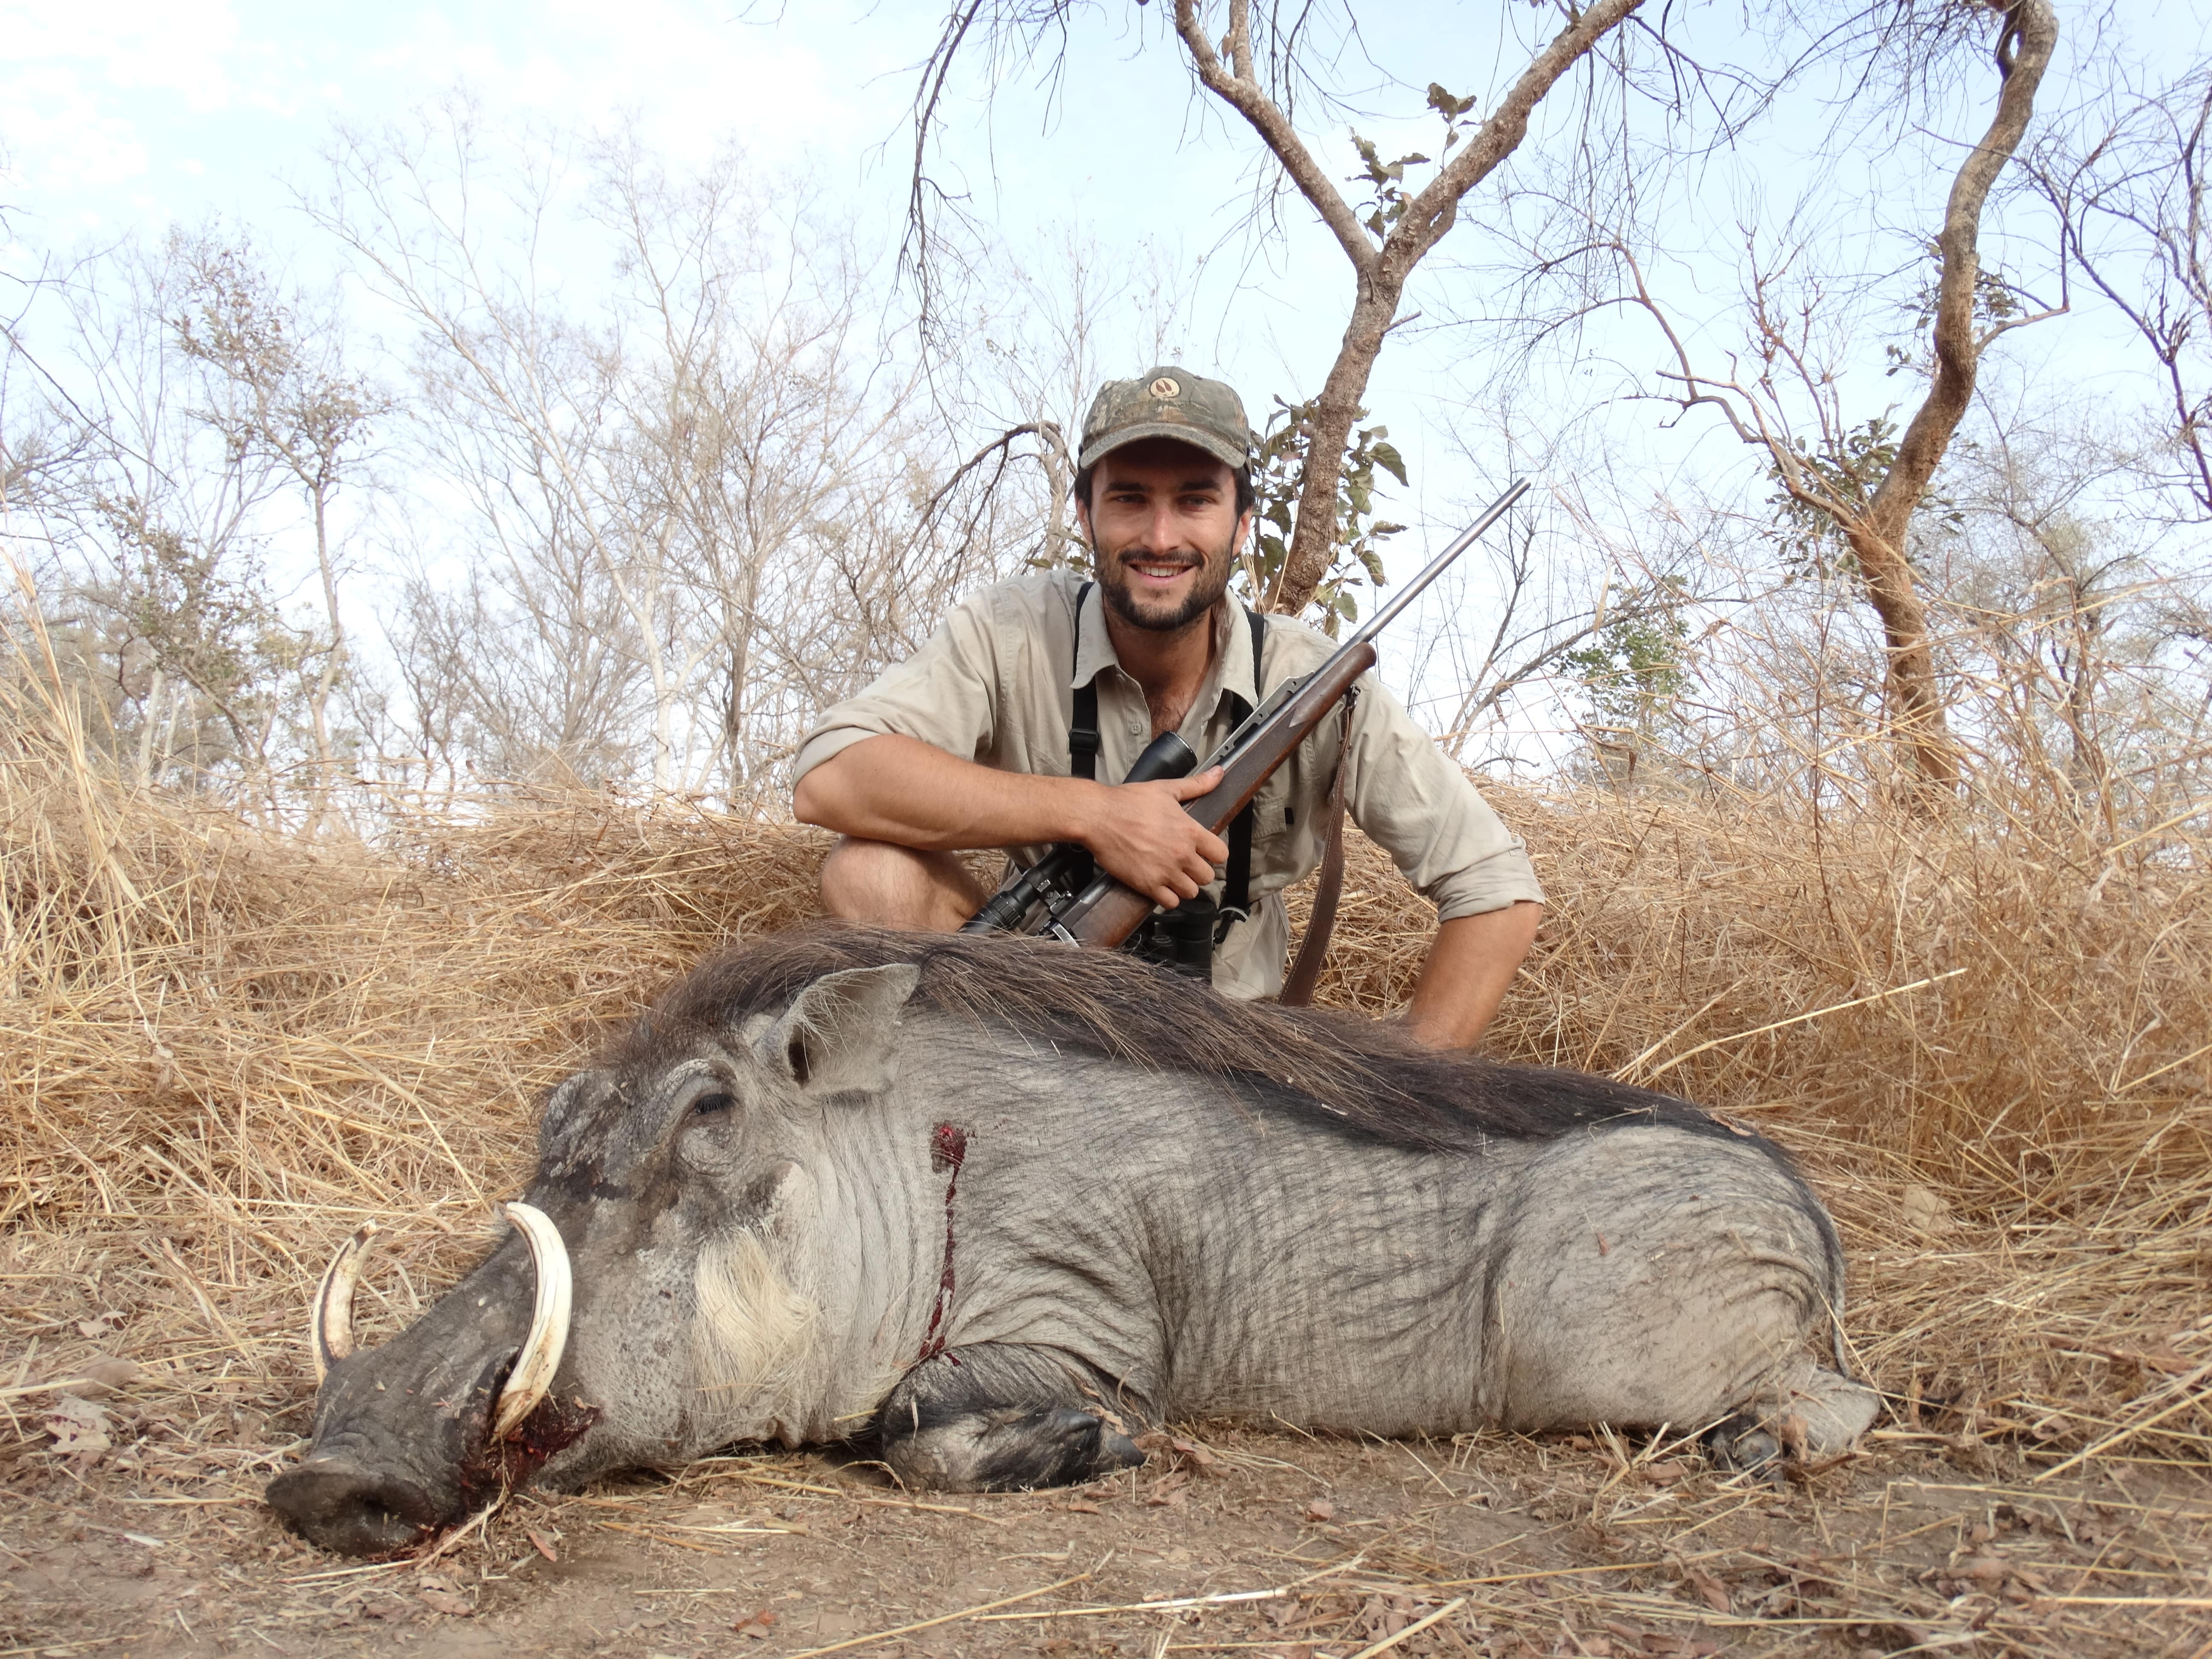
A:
{"points": [[1106, 913]]}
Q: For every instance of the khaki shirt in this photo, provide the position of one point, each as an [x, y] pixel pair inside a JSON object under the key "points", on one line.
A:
{"points": [[995, 684]]}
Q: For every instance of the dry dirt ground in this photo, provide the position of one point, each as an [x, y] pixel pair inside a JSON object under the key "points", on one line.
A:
{"points": [[1244, 1541]]}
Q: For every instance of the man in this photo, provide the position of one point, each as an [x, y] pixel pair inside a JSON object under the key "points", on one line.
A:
{"points": [[968, 744]]}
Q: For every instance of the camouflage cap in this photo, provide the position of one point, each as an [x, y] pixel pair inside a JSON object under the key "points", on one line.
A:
{"points": [[1168, 403]]}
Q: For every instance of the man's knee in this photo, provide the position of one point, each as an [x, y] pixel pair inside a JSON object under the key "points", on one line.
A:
{"points": [[887, 886]]}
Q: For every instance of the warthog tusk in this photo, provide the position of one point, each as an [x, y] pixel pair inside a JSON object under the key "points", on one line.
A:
{"points": [[549, 1321], [329, 1330]]}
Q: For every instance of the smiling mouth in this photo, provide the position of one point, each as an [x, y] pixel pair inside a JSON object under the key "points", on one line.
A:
{"points": [[1158, 570]]}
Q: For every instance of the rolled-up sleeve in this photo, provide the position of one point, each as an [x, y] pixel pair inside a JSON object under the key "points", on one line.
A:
{"points": [[1421, 809], [946, 694]]}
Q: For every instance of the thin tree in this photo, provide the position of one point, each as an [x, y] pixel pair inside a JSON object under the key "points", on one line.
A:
{"points": [[1383, 236], [1864, 484], [296, 404]]}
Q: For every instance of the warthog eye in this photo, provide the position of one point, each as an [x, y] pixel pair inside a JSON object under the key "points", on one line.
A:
{"points": [[708, 1105]]}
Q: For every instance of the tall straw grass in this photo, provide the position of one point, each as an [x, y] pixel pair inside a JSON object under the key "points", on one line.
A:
{"points": [[1990, 1036]]}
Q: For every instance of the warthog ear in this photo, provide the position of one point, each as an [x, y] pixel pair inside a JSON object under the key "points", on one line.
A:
{"points": [[837, 1035]]}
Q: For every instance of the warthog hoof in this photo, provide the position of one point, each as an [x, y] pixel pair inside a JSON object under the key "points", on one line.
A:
{"points": [[1743, 1445]]}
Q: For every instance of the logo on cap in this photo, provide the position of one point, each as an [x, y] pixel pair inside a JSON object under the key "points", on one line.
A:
{"points": [[1163, 387]]}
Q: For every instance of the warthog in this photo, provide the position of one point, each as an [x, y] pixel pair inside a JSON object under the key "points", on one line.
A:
{"points": [[1006, 1206]]}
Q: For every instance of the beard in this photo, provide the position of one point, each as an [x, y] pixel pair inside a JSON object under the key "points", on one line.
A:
{"points": [[1213, 582]]}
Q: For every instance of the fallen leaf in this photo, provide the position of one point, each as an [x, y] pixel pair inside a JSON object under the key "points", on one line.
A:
{"points": [[1924, 1209], [544, 1546], [1321, 1510], [1664, 1473], [755, 1625], [1987, 1572], [1080, 1506], [444, 1602], [78, 1426], [1180, 1453], [105, 1374], [1710, 1589], [1201, 1459]]}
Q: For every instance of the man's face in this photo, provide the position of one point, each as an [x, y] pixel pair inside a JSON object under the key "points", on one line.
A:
{"points": [[1163, 525]]}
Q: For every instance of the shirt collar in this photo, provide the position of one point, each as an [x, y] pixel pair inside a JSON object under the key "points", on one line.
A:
{"points": [[1232, 650]]}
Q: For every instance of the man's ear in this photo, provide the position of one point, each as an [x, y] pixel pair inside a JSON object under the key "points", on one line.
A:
{"points": [[839, 1033]]}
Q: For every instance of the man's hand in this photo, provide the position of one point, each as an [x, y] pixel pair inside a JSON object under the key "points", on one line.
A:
{"points": [[1142, 837], [895, 789]]}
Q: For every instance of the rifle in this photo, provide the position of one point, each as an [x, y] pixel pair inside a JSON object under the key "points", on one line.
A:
{"points": [[1103, 913]]}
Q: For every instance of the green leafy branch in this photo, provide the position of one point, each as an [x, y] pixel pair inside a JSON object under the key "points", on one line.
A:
{"points": [[1387, 197], [1848, 473], [1278, 466], [1637, 666]]}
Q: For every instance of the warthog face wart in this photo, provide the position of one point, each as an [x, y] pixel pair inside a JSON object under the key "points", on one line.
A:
{"points": [[1005, 1204]]}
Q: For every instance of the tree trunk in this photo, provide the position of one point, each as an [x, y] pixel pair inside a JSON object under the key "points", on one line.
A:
{"points": [[1313, 540], [1382, 270], [1916, 704], [156, 688], [1879, 539], [333, 665]]}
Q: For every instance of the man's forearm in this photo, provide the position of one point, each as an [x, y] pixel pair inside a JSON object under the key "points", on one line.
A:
{"points": [[903, 792], [900, 789], [1469, 966]]}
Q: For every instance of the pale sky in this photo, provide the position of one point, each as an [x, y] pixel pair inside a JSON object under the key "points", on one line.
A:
{"points": [[120, 117], [127, 115]]}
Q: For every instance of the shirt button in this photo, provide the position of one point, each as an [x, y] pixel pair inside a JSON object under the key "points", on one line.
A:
{"points": [[1136, 728]]}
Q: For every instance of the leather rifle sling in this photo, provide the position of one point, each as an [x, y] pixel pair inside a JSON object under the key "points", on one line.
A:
{"points": [[1083, 741], [1305, 972]]}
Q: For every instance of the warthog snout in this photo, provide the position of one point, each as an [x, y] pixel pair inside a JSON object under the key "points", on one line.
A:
{"points": [[409, 1437], [343, 1505]]}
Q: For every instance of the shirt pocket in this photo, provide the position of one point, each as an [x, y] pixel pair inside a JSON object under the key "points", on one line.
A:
{"points": [[1274, 810]]}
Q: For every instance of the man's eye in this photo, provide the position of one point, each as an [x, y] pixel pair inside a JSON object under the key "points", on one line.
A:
{"points": [[708, 1105]]}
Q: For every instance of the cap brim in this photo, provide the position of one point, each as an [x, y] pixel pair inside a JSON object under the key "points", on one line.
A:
{"points": [[1181, 432]]}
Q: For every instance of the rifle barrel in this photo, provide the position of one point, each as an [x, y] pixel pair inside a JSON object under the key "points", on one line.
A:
{"points": [[1406, 595]]}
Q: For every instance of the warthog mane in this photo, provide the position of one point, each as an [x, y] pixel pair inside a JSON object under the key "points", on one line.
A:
{"points": [[1358, 1077]]}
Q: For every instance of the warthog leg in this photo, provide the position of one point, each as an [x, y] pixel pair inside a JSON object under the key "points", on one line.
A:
{"points": [[1820, 1416], [1004, 1416]]}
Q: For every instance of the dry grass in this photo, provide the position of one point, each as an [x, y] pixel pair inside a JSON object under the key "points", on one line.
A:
{"points": [[223, 1050]]}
